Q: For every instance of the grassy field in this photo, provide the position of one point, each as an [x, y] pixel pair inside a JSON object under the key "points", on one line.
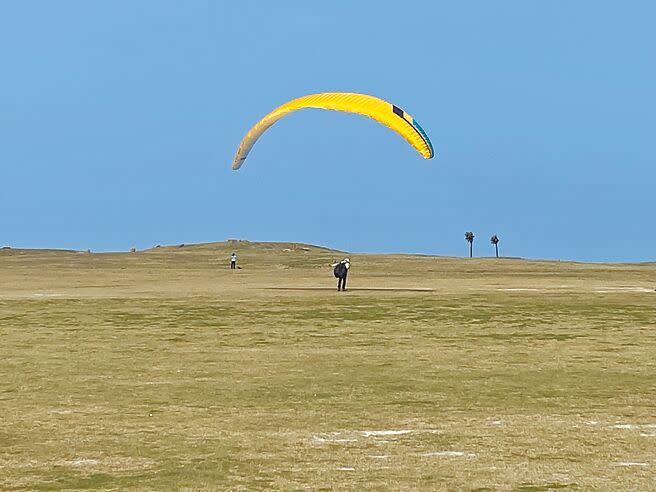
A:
{"points": [[165, 370]]}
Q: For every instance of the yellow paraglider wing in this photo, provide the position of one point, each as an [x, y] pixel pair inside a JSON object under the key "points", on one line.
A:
{"points": [[377, 109]]}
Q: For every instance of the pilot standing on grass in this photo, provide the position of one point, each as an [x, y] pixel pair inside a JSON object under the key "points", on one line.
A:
{"points": [[341, 269], [233, 261]]}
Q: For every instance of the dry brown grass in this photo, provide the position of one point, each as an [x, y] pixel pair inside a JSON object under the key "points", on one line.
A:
{"points": [[165, 370]]}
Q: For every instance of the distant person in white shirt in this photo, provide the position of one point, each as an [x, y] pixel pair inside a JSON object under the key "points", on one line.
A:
{"points": [[340, 270], [233, 261]]}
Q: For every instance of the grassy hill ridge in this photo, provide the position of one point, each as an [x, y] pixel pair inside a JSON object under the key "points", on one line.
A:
{"points": [[164, 369]]}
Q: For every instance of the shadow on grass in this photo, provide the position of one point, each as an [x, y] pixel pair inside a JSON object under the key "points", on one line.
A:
{"points": [[357, 289]]}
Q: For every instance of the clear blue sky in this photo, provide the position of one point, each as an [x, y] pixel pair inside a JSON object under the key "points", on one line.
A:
{"points": [[119, 121]]}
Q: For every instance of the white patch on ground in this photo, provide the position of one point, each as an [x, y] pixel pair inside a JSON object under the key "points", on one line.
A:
{"points": [[379, 456], [630, 463], [345, 468], [637, 426], [446, 454], [592, 422], [495, 422], [337, 440], [347, 437], [386, 433], [82, 462]]}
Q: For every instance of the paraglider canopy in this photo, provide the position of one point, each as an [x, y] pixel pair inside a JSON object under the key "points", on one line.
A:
{"points": [[386, 113]]}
